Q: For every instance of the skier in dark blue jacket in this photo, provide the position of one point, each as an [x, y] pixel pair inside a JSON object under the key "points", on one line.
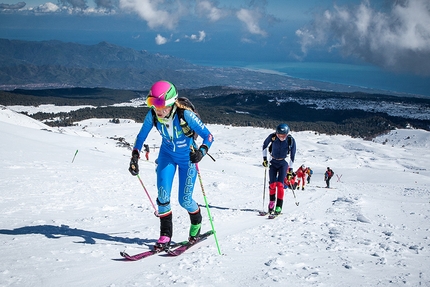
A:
{"points": [[175, 152], [281, 145]]}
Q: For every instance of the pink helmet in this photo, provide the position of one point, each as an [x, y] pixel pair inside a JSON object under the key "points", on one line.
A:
{"points": [[162, 94]]}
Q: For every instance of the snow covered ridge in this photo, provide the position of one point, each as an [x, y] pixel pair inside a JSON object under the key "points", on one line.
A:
{"points": [[47, 109], [12, 117], [412, 111], [405, 138], [64, 223]]}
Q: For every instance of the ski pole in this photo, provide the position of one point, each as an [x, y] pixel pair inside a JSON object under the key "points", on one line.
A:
{"points": [[264, 187], [297, 203], [74, 156], [207, 208], [210, 156], [149, 197]]}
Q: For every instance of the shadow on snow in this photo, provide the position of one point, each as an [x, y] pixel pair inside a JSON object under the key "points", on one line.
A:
{"points": [[229, 208], [89, 237]]}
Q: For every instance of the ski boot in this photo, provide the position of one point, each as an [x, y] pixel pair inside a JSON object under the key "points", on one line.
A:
{"points": [[278, 210], [162, 243], [166, 231], [196, 223], [194, 232], [271, 207]]}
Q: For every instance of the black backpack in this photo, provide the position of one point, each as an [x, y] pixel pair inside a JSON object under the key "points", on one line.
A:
{"points": [[182, 103]]}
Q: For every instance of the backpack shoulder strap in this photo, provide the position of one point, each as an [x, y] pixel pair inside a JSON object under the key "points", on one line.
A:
{"points": [[273, 138], [183, 123], [180, 113], [154, 118]]}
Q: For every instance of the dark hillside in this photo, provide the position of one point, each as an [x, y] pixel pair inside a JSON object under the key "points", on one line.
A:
{"points": [[243, 110], [354, 114], [67, 96]]}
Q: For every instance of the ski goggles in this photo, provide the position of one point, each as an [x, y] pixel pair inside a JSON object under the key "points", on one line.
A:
{"points": [[159, 102]]}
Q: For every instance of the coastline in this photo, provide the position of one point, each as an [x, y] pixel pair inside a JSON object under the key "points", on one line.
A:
{"points": [[361, 76]]}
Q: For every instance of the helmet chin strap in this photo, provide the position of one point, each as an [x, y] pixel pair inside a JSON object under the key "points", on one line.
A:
{"points": [[169, 117]]}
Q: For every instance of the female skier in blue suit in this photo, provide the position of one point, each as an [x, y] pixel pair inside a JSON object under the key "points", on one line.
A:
{"points": [[174, 152]]}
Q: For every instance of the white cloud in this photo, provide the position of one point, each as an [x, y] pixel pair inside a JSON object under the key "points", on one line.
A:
{"points": [[197, 38], [149, 11], [48, 7], [208, 9], [160, 40], [71, 8], [250, 18], [246, 40], [398, 39]]}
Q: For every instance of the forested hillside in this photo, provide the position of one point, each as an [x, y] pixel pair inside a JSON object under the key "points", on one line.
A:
{"points": [[323, 112]]}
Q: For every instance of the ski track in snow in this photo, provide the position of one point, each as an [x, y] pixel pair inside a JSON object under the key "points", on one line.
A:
{"points": [[64, 223]]}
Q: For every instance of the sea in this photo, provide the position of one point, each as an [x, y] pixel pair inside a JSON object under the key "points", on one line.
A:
{"points": [[360, 75], [364, 76]]}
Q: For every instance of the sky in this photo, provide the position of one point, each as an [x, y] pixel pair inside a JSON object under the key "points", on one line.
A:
{"points": [[64, 220], [392, 35]]}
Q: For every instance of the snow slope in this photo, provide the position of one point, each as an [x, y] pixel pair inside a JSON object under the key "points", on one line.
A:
{"points": [[64, 223]]}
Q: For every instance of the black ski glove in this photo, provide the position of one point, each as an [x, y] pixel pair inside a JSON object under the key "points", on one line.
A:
{"points": [[197, 155], [134, 167], [265, 162]]}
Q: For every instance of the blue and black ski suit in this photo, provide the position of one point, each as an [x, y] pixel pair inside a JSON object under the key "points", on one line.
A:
{"points": [[280, 151]]}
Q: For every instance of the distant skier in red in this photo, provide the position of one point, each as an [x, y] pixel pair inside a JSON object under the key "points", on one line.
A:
{"points": [[146, 148], [301, 173], [327, 176], [290, 179]]}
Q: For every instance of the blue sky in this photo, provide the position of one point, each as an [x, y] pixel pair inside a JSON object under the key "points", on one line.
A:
{"points": [[393, 35]]}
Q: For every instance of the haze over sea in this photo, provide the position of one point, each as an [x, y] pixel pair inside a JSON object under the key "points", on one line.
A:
{"points": [[365, 76]]}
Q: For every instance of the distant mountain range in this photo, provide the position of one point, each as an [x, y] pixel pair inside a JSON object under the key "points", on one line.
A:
{"points": [[55, 64]]}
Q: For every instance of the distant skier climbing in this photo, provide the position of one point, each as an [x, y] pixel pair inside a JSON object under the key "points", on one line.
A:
{"points": [[309, 172], [301, 173], [290, 179], [281, 145], [146, 149], [327, 176]]}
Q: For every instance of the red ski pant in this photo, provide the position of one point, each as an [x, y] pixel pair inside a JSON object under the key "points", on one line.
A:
{"points": [[276, 190], [302, 180]]}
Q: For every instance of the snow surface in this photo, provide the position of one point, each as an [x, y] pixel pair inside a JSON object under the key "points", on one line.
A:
{"points": [[64, 223], [47, 108]]}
